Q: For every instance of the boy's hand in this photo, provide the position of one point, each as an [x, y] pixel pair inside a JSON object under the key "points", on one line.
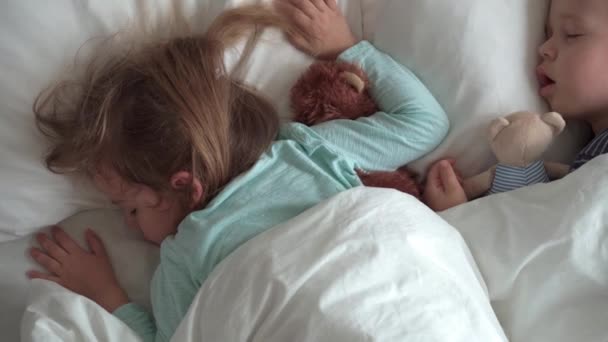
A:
{"points": [[88, 274], [318, 27], [443, 188]]}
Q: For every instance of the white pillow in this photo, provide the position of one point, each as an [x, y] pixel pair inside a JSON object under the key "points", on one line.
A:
{"points": [[134, 262], [478, 58], [38, 43]]}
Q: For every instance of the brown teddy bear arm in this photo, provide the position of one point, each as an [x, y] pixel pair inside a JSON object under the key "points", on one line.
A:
{"points": [[401, 180]]}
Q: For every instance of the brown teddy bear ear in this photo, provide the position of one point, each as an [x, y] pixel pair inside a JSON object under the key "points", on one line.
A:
{"points": [[354, 80]]}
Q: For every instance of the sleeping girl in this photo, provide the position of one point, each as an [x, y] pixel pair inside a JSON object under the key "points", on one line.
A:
{"points": [[169, 135]]}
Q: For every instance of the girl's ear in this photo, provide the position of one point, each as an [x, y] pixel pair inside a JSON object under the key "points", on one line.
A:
{"points": [[183, 179]]}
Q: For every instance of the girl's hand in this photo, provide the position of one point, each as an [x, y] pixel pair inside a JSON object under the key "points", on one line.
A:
{"points": [[319, 28], [443, 188], [87, 273]]}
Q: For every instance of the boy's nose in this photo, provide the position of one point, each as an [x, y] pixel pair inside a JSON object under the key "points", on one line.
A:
{"points": [[547, 51]]}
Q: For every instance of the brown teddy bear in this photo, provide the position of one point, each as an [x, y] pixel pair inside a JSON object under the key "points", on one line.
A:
{"points": [[331, 90]]}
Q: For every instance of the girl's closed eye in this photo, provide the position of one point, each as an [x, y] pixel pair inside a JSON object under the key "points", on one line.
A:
{"points": [[133, 212]]}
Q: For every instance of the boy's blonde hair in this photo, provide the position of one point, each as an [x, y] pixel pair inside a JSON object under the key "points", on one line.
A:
{"points": [[170, 106]]}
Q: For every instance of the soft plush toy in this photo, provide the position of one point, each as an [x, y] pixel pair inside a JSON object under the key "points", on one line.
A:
{"points": [[329, 91], [340, 90], [403, 179], [518, 142]]}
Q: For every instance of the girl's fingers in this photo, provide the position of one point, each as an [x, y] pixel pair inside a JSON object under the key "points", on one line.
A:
{"points": [[331, 4], [298, 41], [320, 5], [95, 243], [294, 13], [40, 275], [46, 261], [51, 247], [306, 7], [65, 241]]}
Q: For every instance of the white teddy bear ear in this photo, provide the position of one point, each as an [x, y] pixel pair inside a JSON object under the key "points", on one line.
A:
{"points": [[556, 121], [496, 126]]}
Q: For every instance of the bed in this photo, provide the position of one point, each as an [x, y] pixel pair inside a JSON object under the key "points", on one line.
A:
{"points": [[529, 265]]}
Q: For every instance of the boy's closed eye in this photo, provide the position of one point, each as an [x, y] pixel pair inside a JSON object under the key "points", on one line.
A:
{"points": [[572, 32], [572, 35]]}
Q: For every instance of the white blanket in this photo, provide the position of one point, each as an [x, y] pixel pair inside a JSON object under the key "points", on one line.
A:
{"points": [[543, 251], [368, 264]]}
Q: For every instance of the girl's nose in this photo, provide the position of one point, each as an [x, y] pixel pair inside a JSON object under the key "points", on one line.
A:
{"points": [[131, 222]]}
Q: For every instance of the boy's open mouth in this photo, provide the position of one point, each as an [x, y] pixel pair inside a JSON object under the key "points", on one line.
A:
{"points": [[545, 82]]}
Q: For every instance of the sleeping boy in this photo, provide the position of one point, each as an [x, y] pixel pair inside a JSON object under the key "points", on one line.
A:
{"points": [[572, 76]]}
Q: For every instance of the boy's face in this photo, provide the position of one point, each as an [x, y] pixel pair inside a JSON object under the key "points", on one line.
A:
{"points": [[573, 72]]}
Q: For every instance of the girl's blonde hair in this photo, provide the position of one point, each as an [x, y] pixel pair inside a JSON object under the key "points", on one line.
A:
{"points": [[167, 107]]}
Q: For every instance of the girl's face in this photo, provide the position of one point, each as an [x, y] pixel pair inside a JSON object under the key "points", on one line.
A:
{"points": [[156, 215], [573, 73]]}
